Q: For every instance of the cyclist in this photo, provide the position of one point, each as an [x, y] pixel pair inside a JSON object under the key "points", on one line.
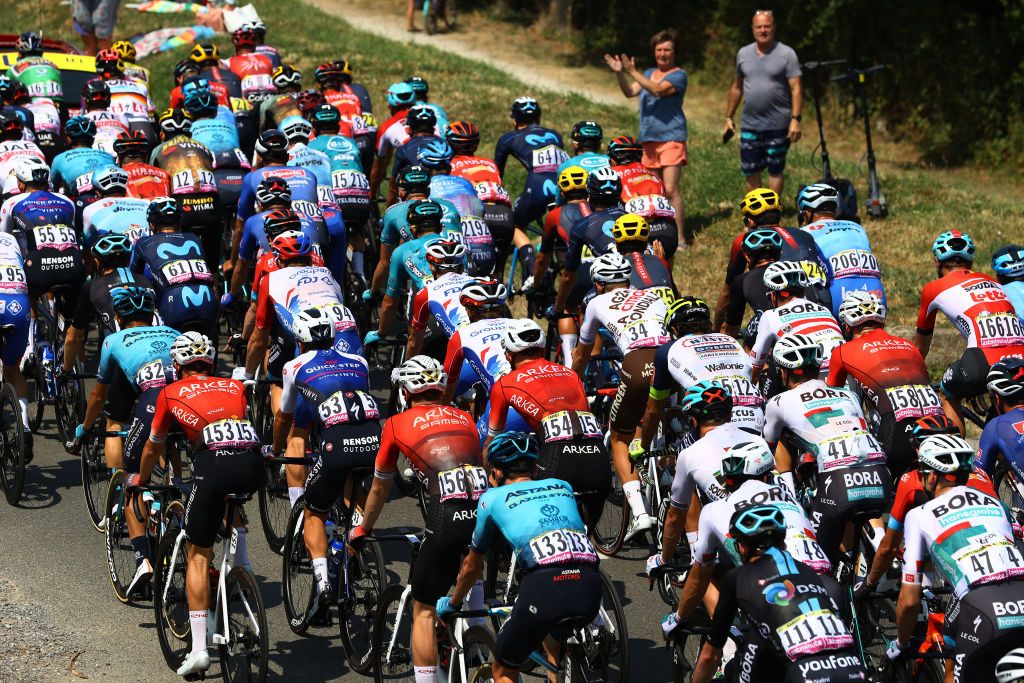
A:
{"points": [[441, 443], [393, 133], [211, 411], [214, 126], [14, 99], [114, 210], [792, 313], [347, 87], [13, 149], [421, 89], [109, 124], [144, 180], [129, 55], [978, 308], [421, 122], [826, 424], [254, 70], [186, 72], [631, 233], [173, 122], [761, 248], [173, 261], [887, 372], [1004, 434], [540, 520], [288, 82], [643, 193], [40, 75], [207, 57], [634, 320], [269, 50], [298, 131], [586, 139], [127, 96], [1008, 265], [14, 315], [329, 78], [72, 169], [798, 614], [436, 310], [970, 532]]}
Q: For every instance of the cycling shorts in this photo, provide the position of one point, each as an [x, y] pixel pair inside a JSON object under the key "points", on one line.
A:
{"points": [[215, 475], [547, 596], [355, 212], [761, 149], [229, 185], [138, 432], [586, 465], [280, 351], [634, 387], [49, 268], [532, 204], [966, 376], [844, 493], [200, 213], [762, 661], [448, 531], [896, 440], [14, 310], [664, 230], [986, 624], [344, 448], [498, 218]]}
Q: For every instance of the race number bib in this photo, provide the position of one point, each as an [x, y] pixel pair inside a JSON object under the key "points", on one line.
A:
{"points": [[348, 406], [256, 87], [186, 270], [135, 232], [83, 183], [48, 89], [913, 400], [813, 632], [807, 550], [846, 450], [12, 279], [566, 424], [489, 191], [643, 335], [815, 273], [193, 181], [742, 391], [548, 158], [987, 558], [307, 208], [350, 184], [325, 195], [467, 482], [651, 206], [855, 262], [150, 375], [561, 546], [999, 329], [230, 434], [58, 237], [475, 231]]}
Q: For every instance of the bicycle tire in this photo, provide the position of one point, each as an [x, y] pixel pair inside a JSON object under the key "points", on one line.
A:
{"points": [[609, 533], [275, 507], [95, 480], [296, 573], [399, 658], [478, 651], [359, 609], [35, 419], [70, 401], [246, 648], [612, 639], [117, 542], [170, 603], [12, 446]]}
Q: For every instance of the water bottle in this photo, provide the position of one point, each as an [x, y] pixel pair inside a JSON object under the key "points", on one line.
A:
{"points": [[334, 553], [46, 357]]}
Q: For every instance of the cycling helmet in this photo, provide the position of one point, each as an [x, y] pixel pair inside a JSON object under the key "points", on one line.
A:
{"points": [[953, 244], [747, 460], [175, 122], [587, 133], [286, 76], [795, 351], [308, 100], [760, 526], [522, 334], [280, 221], [5, 88], [463, 136], [110, 179], [192, 347], [757, 202], [818, 198], [260, 28], [11, 125], [132, 299], [272, 142], [132, 143], [604, 183], [324, 116], [19, 93], [945, 454], [483, 293], [424, 213], [859, 307], [126, 49], [781, 276], [687, 310], [291, 244], [445, 255], [436, 154], [32, 171], [327, 73], [296, 129], [31, 43], [932, 425], [200, 101], [419, 86], [163, 211], [273, 190], [1010, 667], [420, 119], [610, 267], [204, 53], [573, 180], [345, 68], [630, 228], [1006, 378], [707, 399], [1008, 261], [109, 64], [413, 178], [625, 149], [525, 109], [245, 36], [422, 373], [184, 68], [313, 325], [400, 95], [111, 245], [509, 447], [96, 92], [762, 243]]}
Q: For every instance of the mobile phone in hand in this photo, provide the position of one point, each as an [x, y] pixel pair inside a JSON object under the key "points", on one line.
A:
{"points": [[727, 135]]}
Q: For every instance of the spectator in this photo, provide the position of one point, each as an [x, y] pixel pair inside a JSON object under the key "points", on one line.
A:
{"points": [[94, 21], [662, 122], [768, 78]]}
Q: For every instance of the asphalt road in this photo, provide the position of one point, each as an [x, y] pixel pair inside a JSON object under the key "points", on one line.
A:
{"points": [[52, 563]]}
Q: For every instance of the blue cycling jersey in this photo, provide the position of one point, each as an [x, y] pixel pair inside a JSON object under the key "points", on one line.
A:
{"points": [[593, 232], [540, 521], [588, 161], [135, 351], [40, 210], [845, 252], [538, 149], [174, 263], [342, 152], [475, 232], [304, 156], [459, 192], [254, 237], [405, 156], [1003, 436], [1015, 293], [396, 228], [219, 134], [301, 181], [409, 264], [122, 215], [69, 166], [320, 375]]}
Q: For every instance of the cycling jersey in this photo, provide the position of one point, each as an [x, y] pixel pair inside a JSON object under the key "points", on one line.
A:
{"points": [[141, 354], [147, 182], [46, 120], [475, 233], [219, 134], [41, 77], [28, 132], [558, 223], [588, 161], [301, 182], [797, 245], [392, 134], [189, 163], [910, 494], [108, 126], [476, 349], [649, 271], [218, 74], [174, 263], [405, 155], [122, 215], [712, 357], [72, 170], [97, 305], [12, 153], [349, 184], [277, 108], [301, 156], [409, 265], [549, 396], [484, 176], [540, 152], [341, 150], [438, 302], [287, 292], [136, 72], [255, 71], [43, 223], [1015, 293], [633, 318], [1003, 435], [271, 53], [638, 181], [796, 316], [346, 102], [747, 289], [713, 527], [396, 228], [699, 466], [845, 252], [14, 303], [130, 98], [592, 232]]}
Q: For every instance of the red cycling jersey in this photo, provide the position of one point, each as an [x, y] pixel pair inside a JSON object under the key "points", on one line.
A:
{"points": [[483, 174], [558, 222], [147, 182], [250, 64], [345, 101], [219, 90], [209, 410], [638, 181], [536, 389], [910, 494], [392, 134]]}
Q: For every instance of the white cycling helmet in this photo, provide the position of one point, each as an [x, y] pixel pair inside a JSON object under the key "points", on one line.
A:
{"points": [[748, 459], [296, 129], [859, 307], [192, 347], [1010, 667], [314, 325], [796, 351], [482, 292], [523, 334], [610, 267], [110, 178], [782, 275], [945, 454], [31, 171], [422, 373], [818, 197]]}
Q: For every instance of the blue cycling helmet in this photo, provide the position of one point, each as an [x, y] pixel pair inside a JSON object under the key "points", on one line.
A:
{"points": [[130, 300], [163, 211], [1008, 261], [112, 244], [436, 154], [760, 526], [508, 447], [953, 244], [763, 241], [200, 101], [400, 95], [707, 399], [80, 127]]}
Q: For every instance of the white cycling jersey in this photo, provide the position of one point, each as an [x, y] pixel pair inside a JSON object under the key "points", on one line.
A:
{"points": [[131, 98], [12, 267], [796, 316], [108, 126], [633, 317], [713, 528], [298, 288], [700, 465], [479, 345], [968, 536], [827, 422], [438, 300], [13, 152]]}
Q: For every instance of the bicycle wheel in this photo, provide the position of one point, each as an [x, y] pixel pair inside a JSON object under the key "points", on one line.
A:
{"points": [[366, 581], [477, 653], [392, 636], [35, 418], [608, 534], [120, 554], [12, 445], [244, 657], [170, 603], [605, 643], [70, 401], [275, 507], [298, 583], [95, 478]]}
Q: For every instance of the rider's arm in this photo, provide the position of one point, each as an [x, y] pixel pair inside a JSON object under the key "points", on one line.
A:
{"points": [[104, 376], [500, 156], [762, 345], [472, 571], [887, 549], [784, 466], [260, 339], [697, 581], [74, 340], [837, 373], [498, 415], [721, 624], [418, 322], [285, 417], [988, 448], [915, 550], [662, 384], [453, 366], [380, 274], [383, 476], [588, 337], [926, 317]]}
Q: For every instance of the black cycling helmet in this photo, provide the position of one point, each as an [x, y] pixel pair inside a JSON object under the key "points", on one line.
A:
{"points": [[760, 526], [96, 93], [604, 184], [273, 190], [11, 125], [164, 212], [421, 119], [419, 86], [526, 110], [424, 213], [587, 134], [413, 178], [324, 117], [508, 448], [625, 149], [30, 44], [463, 136], [175, 122], [280, 221], [687, 310], [132, 144], [272, 143], [184, 68]]}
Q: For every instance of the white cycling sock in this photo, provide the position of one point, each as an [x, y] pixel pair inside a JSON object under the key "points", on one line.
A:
{"points": [[242, 549], [568, 344], [294, 492], [320, 572], [631, 489], [425, 674], [197, 619], [24, 412], [691, 539]]}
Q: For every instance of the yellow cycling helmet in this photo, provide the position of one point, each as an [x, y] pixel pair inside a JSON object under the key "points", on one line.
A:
{"points": [[573, 179], [760, 200], [126, 49], [204, 52], [630, 228]]}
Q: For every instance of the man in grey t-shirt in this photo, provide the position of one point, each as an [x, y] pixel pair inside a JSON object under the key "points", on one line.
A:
{"points": [[768, 80]]}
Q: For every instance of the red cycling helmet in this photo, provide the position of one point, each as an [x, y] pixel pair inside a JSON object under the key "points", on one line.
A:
{"points": [[291, 244], [463, 136]]}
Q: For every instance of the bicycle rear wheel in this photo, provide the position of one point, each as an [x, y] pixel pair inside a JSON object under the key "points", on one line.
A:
{"points": [[170, 604], [605, 643], [478, 651], [610, 531], [392, 636], [244, 657], [366, 582], [69, 405], [95, 480], [275, 507], [120, 554], [298, 584], [12, 446]]}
